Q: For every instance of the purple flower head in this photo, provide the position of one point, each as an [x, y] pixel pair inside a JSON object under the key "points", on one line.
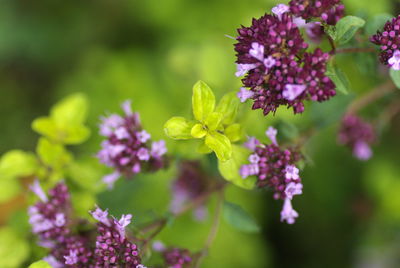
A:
{"points": [[122, 223], [177, 258], [100, 215], [389, 43], [288, 214], [358, 135], [158, 246], [127, 107], [284, 74], [292, 172], [254, 158], [245, 94], [53, 262], [394, 61], [249, 170], [37, 189], [293, 189], [271, 134], [128, 148], [280, 9], [329, 11], [251, 143]]}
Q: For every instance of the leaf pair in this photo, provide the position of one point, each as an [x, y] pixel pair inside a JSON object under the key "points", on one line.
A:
{"points": [[214, 124]]}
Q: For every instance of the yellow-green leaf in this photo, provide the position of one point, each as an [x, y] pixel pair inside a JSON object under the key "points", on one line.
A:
{"points": [[234, 132], [14, 249], [198, 131], [72, 110], [213, 120], [203, 101], [178, 128], [40, 264], [228, 106], [220, 144], [52, 154], [17, 163], [203, 148]]}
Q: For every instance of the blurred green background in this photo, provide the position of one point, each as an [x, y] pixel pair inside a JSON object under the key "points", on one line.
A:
{"points": [[152, 52]]}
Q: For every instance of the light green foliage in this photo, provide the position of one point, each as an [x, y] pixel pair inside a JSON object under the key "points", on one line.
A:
{"points": [[376, 23], [238, 218], [395, 75], [346, 28], [40, 264], [13, 249], [52, 154], [17, 163], [216, 127], [66, 121], [230, 169], [338, 77]]}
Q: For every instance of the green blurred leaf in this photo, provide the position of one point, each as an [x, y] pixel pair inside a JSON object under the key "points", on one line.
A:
{"points": [[40, 264], [347, 27], [338, 77], [288, 130], [9, 189], [82, 202], [234, 132], [52, 154], [17, 163], [13, 249], [213, 121], [220, 144], [203, 148], [395, 75], [238, 218], [178, 128], [203, 101], [230, 169], [228, 106], [86, 174], [72, 110], [198, 131], [376, 23]]}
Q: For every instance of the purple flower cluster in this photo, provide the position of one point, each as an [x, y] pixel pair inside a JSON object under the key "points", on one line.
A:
{"points": [[191, 183], [177, 258], [70, 247], [271, 53], [113, 249], [389, 42], [358, 135], [128, 148], [329, 11], [275, 168]]}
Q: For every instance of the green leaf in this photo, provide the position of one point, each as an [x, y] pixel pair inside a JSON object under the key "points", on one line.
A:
{"points": [[228, 107], [178, 128], [203, 148], [230, 169], [9, 189], [395, 75], [40, 264], [347, 27], [234, 132], [376, 23], [72, 110], [198, 131], [14, 250], [203, 101], [288, 130], [17, 163], [338, 78], [213, 120], [52, 154], [238, 218], [220, 144]]}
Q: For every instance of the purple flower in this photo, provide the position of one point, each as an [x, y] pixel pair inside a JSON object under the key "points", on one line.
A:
{"points": [[72, 258], [358, 135], [37, 189], [271, 134], [177, 258], [158, 246], [288, 214], [126, 107], [280, 9], [269, 62], [244, 94], [251, 143], [291, 92], [254, 158], [257, 51], [389, 43], [308, 9], [128, 148], [249, 170], [100, 215], [292, 172], [122, 223], [394, 61], [242, 69], [293, 189]]}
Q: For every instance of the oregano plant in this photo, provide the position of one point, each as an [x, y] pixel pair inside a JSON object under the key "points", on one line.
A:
{"points": [[287, 58]]}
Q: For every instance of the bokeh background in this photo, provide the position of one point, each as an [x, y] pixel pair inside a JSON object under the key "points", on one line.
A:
{"points": [[152, 52]]}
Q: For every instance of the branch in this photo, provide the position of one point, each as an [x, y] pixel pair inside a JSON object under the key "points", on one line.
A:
{"points": [[356, 50]]}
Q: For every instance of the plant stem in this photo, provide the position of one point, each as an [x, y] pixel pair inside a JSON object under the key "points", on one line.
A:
{"points": [[356, 50], [371, 96], [213, 231], [332, 43]]}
